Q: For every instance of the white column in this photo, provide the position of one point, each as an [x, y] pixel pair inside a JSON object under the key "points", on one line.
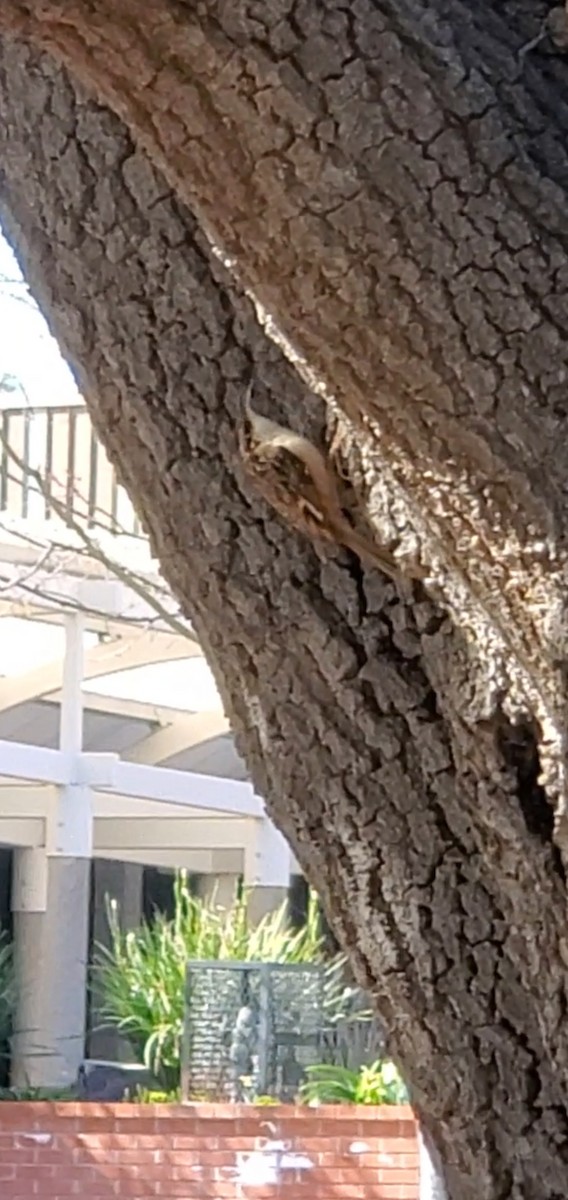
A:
{"points": [[267, 868], [220, 888], [71, 715], [51, 897], [51, 906], [69, 828]]}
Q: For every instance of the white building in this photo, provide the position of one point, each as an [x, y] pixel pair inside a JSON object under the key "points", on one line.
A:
{"points": [[116, 760]]}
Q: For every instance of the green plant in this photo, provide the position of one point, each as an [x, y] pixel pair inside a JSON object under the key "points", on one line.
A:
{"points": [[379, 1083], [140, 978], [149, 1096], [7, 991], [36, 1093]]}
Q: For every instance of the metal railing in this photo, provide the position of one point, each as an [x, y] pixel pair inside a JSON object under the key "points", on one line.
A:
{"points": [[61, 446]]}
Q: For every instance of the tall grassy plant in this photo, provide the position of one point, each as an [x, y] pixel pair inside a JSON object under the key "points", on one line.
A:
{"points": [[7, 991], [140, 977]]}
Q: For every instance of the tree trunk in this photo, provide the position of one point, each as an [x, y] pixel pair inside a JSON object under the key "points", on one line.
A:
{"points": [[415, 770]]}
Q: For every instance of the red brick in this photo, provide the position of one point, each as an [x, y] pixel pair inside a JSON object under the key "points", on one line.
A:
{"points": [[179, 1158], [204, 1144], [16, 1189], [15, 1155], [240, 1144], [399, 1191], [137, 1156], [120, 1141], [396, 1175], [101, 1152], [139, 1186], [91, 1187], [189, 1191]]}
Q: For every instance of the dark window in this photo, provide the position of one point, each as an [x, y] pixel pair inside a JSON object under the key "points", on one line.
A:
{"points": [[157, 892]]}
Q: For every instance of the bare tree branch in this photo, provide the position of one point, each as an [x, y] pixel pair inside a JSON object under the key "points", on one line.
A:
{"points": [[147, 590], [29, 574]]}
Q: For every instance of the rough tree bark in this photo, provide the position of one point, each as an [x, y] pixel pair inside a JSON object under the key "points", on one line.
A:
{"points": [[409, 237]]}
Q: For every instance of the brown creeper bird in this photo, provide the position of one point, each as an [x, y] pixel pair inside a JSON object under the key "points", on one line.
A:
{"points": [[293, 477]]}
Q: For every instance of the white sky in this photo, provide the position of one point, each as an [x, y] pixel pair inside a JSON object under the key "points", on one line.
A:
{"points": [[31, 354], [27, 349]]}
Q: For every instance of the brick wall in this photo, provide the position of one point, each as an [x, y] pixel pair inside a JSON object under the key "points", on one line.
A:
{"points": [[206, 1152]]}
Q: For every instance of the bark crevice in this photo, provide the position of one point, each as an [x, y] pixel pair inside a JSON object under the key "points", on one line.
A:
{"points": [[519, 744]]}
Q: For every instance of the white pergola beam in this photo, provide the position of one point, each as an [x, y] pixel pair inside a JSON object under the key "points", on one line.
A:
{"points": [[22, 831], [142, 812], [149, 833], [112, 706], [22, 798], [182, 732], [19, 799], [119, 626], [108, 772], [21, 761], [200, 862], [186, 788], [16, 689], [21, 541], [110, 806], [29, 833], [136, 648]]}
